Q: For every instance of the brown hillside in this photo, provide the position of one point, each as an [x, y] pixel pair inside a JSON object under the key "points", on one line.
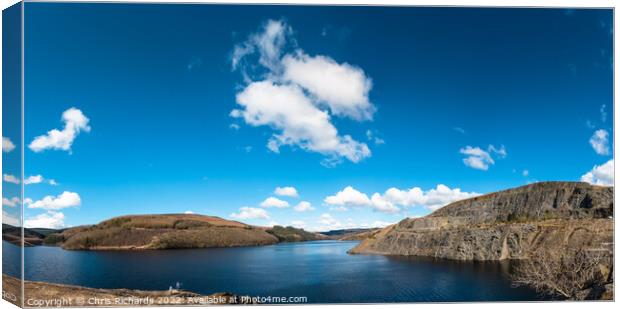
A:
{"points": [[167, 231]]}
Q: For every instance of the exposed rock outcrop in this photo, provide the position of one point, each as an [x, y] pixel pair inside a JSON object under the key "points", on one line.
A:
{"points": [[515, 224], [505, 225]]}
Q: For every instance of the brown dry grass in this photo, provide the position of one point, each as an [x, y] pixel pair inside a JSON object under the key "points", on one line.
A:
{"points": [[167, 221], [54, 295], [169, 231]]}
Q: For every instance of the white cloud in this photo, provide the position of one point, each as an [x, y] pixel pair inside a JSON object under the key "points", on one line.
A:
{"points": [[390, 201], [234, 126], [350, 223], [50, 220], [372, 137], [603, 113], [268, 44], [10, 178], [34, 179], [287, 109], [64, 200], [250, 213], [600, 142], [298, 224], [338, 208], [12, 202], [602, 175], [10, 219], [383, 205], [348, 197], [304, 206], [431, 199], [75, 122], [7, 145], [374, 224], [500, 152], [273, 202], [480, 159], [342, 87], [189, 212], [286, 191], [459, 129], [328, 222], [477, 158], [380, 224], [295, 94], [526, 173]]}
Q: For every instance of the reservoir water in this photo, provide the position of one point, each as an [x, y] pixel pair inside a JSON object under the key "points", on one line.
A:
{"points": [[322, 271]]}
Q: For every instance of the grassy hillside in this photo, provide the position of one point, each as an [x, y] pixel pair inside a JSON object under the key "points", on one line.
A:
{"points": [[32, 237], [168, 231], [289, 234], [172, 231]]}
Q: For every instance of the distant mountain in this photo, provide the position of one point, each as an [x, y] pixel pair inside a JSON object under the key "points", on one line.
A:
{"points": [[344, 232], [349, 234]]}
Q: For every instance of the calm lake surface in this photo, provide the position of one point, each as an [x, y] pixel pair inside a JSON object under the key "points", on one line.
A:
{"points": [[319, 270]]}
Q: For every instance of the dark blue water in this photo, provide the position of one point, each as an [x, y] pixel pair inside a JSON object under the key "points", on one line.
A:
{"points": [[321, 271]]}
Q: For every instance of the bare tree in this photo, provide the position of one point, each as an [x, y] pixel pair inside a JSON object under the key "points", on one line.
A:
{"points": [[564, 274]]}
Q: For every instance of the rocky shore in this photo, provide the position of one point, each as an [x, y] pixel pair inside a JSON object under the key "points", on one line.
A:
{"points": [[511, 224], [42, 294]]}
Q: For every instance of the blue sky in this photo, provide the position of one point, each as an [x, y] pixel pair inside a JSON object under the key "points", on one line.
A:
{"points": [[175, 107]]}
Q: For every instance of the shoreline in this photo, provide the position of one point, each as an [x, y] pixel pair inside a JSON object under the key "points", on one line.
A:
{"points": [[44, 294], [118, 285], [145, 249]]}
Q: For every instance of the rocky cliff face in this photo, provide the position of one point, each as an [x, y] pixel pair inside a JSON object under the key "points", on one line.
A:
{"points": [[505, 225]]}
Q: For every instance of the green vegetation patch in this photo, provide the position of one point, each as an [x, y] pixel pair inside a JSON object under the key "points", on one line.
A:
{"points": [[211, 238], [289, 234], [53, 239]]}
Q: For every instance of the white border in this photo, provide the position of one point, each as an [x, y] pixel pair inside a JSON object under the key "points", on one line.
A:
{"points": [[488, 3], [477, 3]]}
